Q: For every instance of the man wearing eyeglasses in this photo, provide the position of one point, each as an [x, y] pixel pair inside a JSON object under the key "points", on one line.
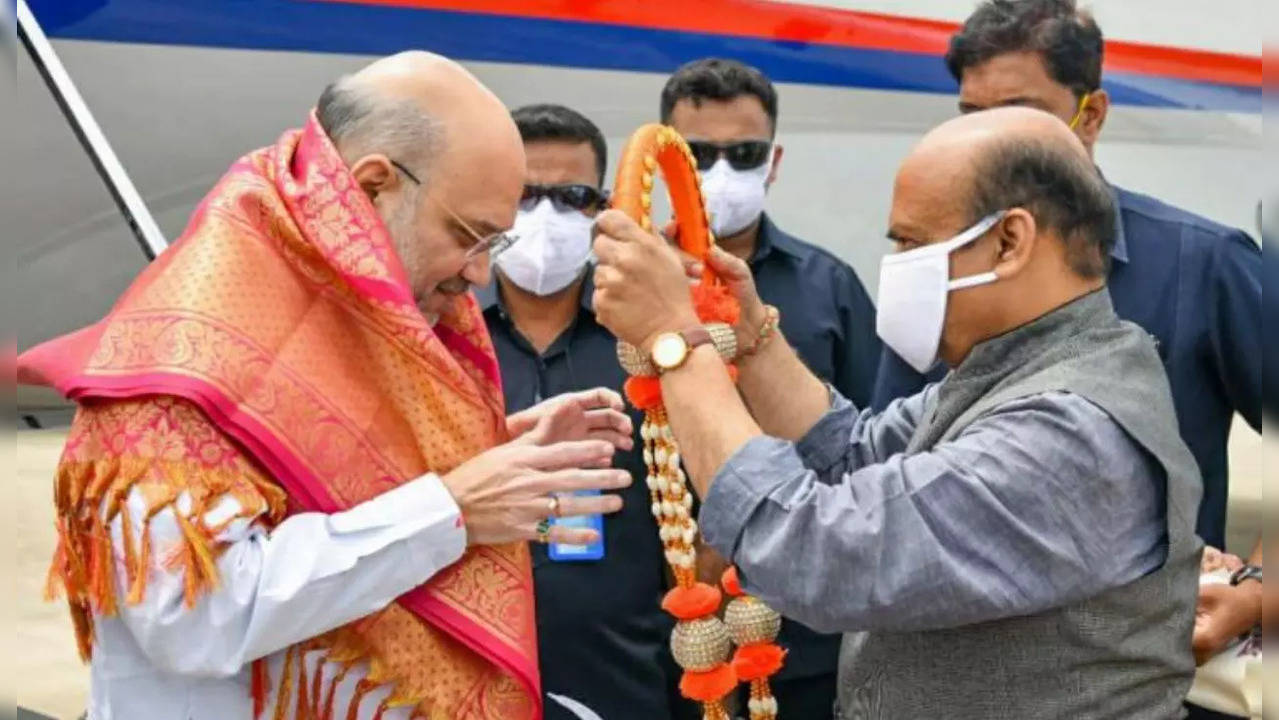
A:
{"points": [[601, 632], [728, 113], [290, 489]]}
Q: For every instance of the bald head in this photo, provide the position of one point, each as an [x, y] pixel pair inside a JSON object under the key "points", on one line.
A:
{"points": [[974, 131], [1051, 217], [412, 105], [984, 162], [439, 156]]}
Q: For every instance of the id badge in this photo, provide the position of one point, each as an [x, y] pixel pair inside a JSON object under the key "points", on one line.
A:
{"points": [[560, 552]]}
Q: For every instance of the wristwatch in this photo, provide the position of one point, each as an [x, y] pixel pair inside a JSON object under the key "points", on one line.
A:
{"points": [[1247, 572], [671, 350]]}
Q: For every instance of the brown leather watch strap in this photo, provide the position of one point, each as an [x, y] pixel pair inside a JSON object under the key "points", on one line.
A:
{"points": [[696, 335], [640, 364]]}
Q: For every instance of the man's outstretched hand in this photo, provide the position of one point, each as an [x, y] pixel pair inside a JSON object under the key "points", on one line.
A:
{"points": [[505, 492], [597, 414]]}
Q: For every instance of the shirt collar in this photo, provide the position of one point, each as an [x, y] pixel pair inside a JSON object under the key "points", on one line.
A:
{"points": [[588, 289], [1120, 250], [769, 239]]}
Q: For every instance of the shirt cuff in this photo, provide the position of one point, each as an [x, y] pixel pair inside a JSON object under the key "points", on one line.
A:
{"points": [[826, 443], [421, 512], [748, 477]]}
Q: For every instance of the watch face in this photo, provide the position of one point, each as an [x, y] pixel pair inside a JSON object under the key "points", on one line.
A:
{"points": [[669, 350]]}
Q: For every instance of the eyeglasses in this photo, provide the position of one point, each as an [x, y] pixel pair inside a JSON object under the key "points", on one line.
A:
{"points": [[564, 197], [493, 244], [745, 155]]}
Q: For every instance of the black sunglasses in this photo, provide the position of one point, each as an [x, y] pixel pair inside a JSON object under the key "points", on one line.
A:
{"points": [[745, 155], [564, 197]]}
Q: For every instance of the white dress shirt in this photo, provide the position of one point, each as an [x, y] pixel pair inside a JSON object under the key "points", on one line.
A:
{"points": [[160, 660]]}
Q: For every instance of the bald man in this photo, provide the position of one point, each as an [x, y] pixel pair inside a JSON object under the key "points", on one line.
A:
{"points": [[290, 490], [1016, 541]]}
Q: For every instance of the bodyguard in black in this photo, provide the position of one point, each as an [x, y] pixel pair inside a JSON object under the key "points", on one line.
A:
{"points": [[601, 632], [728, 113]]}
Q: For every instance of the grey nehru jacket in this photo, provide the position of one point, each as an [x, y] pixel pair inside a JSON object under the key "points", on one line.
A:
{"points": [[843, 532], [1015, 543]]}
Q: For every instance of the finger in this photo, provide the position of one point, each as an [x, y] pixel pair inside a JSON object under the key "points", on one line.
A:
{"points": [[519, 417], [618, 225], [693, 268], [599, 302], [611, 426], [692, 265], [602, 504], [559, 456], [670, 231], [727, 264], [607, 276], [520, 422], [606, 249], [563, 535], [611, 418], [600, 397], [622, 441], [564, 481]]}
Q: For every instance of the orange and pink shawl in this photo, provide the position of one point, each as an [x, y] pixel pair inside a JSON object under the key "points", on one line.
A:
{"points": [[275, 354]]}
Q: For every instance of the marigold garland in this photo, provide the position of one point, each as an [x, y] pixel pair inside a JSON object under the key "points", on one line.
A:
{"points": [[701, 642]]}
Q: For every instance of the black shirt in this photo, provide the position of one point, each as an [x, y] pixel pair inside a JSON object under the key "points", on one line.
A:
{"points": [[601, 632]]}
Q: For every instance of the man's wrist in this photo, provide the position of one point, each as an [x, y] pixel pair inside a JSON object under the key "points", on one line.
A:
{"points": [[761, 334], [751, 320], [1250, 592], [456, 489], [674, 325]]}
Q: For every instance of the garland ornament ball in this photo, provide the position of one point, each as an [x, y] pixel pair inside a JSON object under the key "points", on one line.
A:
{"points": [[701, 643]]}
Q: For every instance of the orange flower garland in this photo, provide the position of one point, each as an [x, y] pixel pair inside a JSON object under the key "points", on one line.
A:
{"points": [[753, 626], [701, 642]]}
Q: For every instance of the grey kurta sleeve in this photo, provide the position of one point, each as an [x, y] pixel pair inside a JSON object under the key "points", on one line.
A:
{"points": [[1043, 503], [846, 439]]}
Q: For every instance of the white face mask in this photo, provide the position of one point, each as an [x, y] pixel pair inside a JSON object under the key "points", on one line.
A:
{"points": [[553, 248], [913, 287], [735, 198]]}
